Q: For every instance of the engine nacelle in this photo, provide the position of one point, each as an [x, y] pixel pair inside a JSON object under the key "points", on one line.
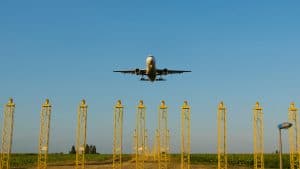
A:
{"points": [[165, 71], [137, 71]]}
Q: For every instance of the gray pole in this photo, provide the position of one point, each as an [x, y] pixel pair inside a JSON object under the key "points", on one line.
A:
{"points": [[284, 125], [280, 150]]}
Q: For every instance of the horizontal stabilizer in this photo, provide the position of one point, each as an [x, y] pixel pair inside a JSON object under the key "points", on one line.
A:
{"points": [[160, 79], [144, 79]]}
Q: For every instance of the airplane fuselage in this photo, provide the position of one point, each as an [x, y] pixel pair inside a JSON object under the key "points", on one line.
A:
{"points": [[151, 68], [151, 71]]}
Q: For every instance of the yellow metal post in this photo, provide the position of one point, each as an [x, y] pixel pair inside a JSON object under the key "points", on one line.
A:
{"points": [[222, 134], [155, 146], [169, 146], [163, 143], [294, 135], [44, 134], [146, 145], [258, 136], [185, 135], [81, 135], [118, 135], [140, 136], [134, 149], [7, 133]]}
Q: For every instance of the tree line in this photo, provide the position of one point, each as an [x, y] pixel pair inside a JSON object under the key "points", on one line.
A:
{"points": [[89, 149]]}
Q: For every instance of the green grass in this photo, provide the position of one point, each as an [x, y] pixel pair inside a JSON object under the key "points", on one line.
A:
{"points": [[30, 160], [270, 160]]}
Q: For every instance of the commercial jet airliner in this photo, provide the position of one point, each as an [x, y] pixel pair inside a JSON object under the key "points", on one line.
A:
{"points": [[151, 72]]}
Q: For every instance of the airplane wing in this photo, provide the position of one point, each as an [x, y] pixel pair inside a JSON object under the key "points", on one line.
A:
{"points": [[167, 71], [133, 71]]}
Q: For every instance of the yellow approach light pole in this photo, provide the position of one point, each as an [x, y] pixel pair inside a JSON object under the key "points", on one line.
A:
{"points": [[118, 135], [147, 153], [294, 137], [81, 135], [140, 136], [7, 133], [155, 148], [134, 148], [44, 134], [185, 135], [222, 137], [163, 141], [258, 136]]}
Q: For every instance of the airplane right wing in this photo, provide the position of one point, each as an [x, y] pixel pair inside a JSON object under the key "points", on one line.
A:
{"points": [[133, 71], [167, 71]]}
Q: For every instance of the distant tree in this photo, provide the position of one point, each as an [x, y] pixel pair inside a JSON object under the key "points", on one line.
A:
{"points": [[93, 151], [73, 151], [87, 149]]}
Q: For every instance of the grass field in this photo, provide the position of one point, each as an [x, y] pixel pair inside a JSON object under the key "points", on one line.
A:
{"points": [[234, 160]]}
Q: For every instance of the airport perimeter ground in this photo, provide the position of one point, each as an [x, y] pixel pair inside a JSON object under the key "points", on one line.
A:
{"points": [[147, 166], [101, 161]]}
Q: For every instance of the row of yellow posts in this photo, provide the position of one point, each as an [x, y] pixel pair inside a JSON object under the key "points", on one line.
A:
{"points": [[45, 117], [258, 137], [161, 149], [258, 133]]}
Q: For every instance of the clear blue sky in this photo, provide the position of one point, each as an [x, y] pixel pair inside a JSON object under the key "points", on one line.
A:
{"points": [[239, 51]]}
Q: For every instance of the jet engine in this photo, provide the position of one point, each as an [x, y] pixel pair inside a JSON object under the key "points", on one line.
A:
{"points": [[165, 71], [137, 71]]}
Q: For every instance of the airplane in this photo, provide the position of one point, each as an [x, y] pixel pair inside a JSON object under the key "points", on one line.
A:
{"points": [[151, 71]]}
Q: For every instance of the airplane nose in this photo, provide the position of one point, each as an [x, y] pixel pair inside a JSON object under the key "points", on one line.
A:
{"points": [[150, 59]]}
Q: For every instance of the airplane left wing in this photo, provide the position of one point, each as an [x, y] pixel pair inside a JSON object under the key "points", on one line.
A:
{"points": [[134, 71], [167, 71]]}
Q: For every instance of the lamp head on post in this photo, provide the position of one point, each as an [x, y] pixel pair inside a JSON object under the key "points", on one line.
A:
{"points": [[284, 125]]}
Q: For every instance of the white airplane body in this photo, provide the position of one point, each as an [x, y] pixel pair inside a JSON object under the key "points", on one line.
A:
{"points": [[151, 72]]}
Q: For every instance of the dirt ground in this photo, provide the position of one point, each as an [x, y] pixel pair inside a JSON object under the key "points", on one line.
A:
{"points": [[147, 166]]}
